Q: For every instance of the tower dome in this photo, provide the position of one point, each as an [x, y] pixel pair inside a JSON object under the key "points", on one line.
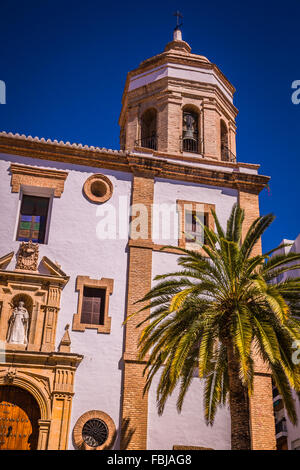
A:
{"points": [[178, 102]]}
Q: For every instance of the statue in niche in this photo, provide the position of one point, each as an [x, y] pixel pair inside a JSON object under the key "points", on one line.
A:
{"points": [[18, 325]]}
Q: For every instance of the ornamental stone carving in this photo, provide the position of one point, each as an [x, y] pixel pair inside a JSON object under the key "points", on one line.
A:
{"points": [[10, 375], [30, 304], [28, 255], [38, 177]]}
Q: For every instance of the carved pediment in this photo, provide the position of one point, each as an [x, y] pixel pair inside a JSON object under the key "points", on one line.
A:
{"points": [[6, 259], [53, 268], [27, 261]]}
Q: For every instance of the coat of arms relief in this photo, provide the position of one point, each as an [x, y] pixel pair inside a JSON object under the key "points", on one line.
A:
{"points": [[28, 255]]}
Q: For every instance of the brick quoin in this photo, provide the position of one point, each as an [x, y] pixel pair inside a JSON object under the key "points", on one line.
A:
{"points": [[134, 402], [262, 422]]}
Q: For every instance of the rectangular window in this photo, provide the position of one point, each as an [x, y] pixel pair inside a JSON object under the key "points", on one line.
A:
{"points": [[193, 226], [33, 219], [93, 306], [193, 217]]}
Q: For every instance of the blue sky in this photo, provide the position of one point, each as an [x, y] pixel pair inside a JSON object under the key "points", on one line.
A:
{"points": [[65, 64]]}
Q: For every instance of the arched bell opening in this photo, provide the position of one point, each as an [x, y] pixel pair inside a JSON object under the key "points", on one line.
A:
{"points": [[149, 129], [190, 130], [224, 142]]}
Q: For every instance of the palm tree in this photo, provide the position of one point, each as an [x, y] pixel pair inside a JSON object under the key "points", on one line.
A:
{"points": [[216, 314]]}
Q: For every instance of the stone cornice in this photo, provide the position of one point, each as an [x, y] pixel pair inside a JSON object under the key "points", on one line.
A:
{"points": [[17, 357], [161, 86], [33, 171], [132, 163], [199, 160], [179, 58], [34, 277], [63, 152], [213, 177], [176, 58], [23, 174], [194, 85]]}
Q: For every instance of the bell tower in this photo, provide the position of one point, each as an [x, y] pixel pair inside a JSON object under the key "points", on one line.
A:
{"points": [[179, 103]]}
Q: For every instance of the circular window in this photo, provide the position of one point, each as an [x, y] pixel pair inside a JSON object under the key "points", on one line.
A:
{"points": [[94, 430], [98, 188]]}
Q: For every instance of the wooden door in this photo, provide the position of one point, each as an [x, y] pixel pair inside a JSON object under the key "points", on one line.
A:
{"points": [[19, 415]]}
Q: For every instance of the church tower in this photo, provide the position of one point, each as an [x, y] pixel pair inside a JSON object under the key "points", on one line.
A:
{"points": [[178, 128], [179, 103]]}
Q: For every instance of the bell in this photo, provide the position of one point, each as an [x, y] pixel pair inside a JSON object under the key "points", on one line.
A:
{"points": [[189, 135]]}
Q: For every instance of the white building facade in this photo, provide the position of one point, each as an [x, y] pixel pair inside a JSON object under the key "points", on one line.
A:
{"points": [[287, 434], [80, 243]]}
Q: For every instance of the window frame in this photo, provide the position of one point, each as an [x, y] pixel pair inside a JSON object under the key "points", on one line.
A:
{"points": [[35, 192], [103, 283], [31, 230], [36, 181], [90, 314], [182, 207], [83, 419]]}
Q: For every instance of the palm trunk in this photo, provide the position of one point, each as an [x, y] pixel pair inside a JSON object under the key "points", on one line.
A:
{"points": [[239, 405]]}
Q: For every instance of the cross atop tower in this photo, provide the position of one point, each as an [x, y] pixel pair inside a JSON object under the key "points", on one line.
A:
{"points": [[178, 24], [177, 35]]}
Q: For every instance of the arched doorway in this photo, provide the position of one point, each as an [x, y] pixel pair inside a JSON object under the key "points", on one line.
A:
{"points": [[19, 415]]}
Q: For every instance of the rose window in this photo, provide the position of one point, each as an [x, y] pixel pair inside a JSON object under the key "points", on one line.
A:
{"points": [[94, 432]]}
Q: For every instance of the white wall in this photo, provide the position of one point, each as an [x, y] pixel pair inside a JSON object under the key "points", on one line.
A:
{"points": [[74, 245], [187, 428], [293, 431], [168, 192]]}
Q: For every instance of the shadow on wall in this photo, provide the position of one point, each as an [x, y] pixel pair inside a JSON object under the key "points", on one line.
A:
{"points": [[127, 433]]}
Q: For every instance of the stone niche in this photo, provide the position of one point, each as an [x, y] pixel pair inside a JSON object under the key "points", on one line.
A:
{"points": [[34, 364]]}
